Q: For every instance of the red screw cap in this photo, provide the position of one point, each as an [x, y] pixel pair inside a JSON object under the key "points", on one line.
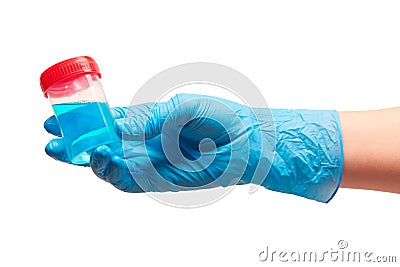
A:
{"points": [[66, 69]]}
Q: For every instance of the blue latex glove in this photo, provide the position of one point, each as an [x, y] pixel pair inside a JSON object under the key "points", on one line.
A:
{"points": [[194, 142]]}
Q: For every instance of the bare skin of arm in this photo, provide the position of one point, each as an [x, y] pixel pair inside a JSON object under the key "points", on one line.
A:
{"points": [[371, 141]]}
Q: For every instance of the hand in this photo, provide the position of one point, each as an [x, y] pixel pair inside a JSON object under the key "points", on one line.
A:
{"points": [[188, 142], [195, 142]]}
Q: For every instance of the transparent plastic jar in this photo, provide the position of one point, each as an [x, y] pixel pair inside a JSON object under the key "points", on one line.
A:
{"points": [[76, 94]]}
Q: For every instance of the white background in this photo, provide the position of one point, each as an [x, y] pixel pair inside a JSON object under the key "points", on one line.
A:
{"points": [[342, 55]]}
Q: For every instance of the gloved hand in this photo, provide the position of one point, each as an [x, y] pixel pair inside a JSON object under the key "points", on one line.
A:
{"points": [[195, 142]]}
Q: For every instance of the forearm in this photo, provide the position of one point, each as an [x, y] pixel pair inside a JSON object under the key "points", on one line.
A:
{"points": [[371, 141]]}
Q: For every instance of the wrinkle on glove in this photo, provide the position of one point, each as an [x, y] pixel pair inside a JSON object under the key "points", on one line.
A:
{"points": [[309, 155]]}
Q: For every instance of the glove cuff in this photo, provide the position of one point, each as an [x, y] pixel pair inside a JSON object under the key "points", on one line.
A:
{"points": [[309, 155]]}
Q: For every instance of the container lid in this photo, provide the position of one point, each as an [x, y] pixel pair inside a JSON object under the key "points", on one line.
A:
{"points": [[66, 69]]}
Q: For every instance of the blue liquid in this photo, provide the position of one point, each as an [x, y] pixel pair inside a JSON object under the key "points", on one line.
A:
{"points": [[84, 127]]}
